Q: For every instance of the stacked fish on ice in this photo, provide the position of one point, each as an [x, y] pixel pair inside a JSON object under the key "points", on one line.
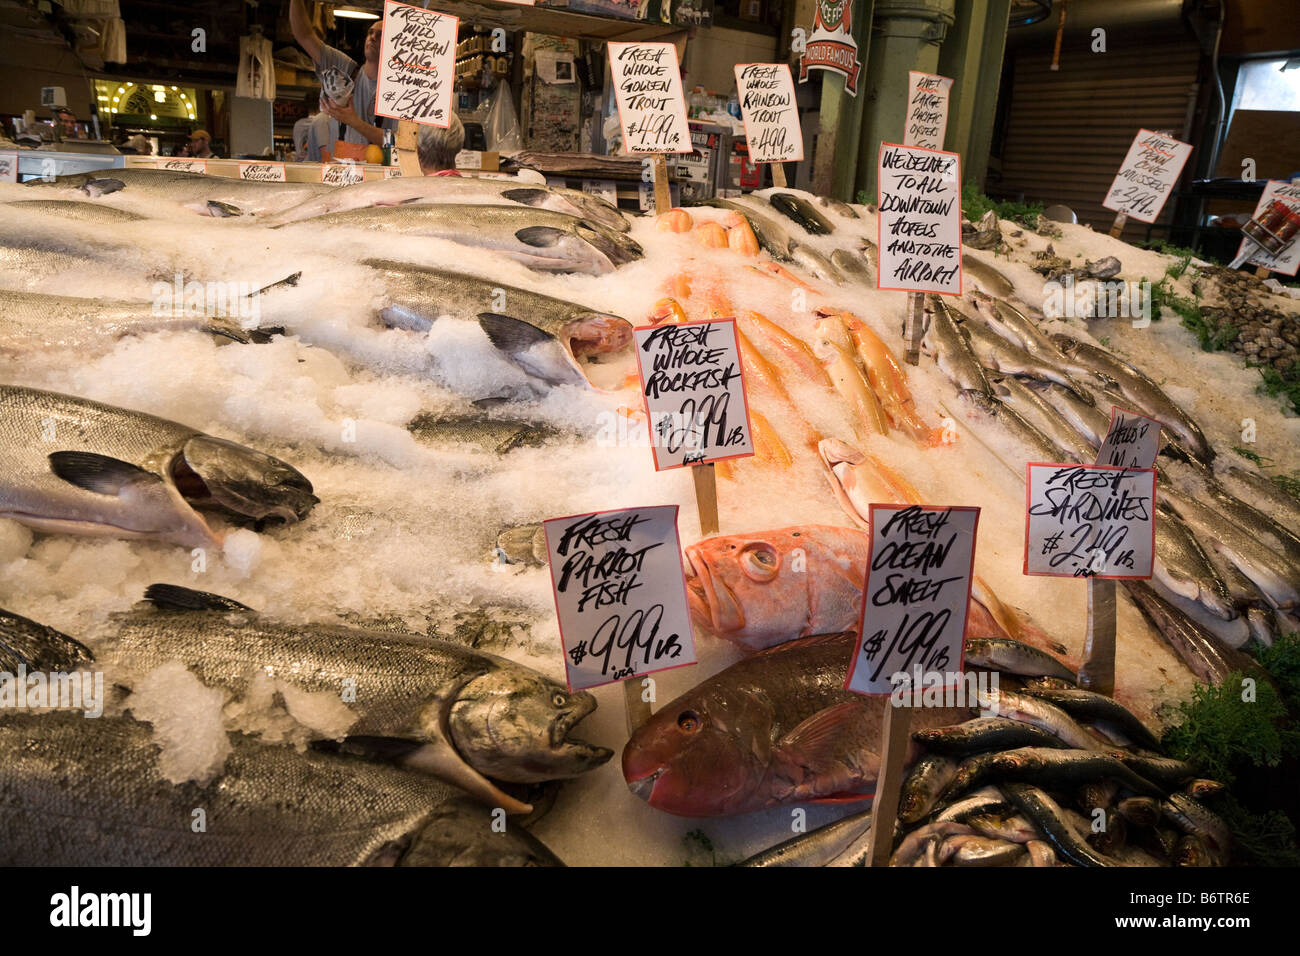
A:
{"points": [[420, 285]]}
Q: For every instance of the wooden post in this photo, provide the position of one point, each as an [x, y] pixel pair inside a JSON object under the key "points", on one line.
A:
{"points": [[405, 142], [1060, 32], [638, 710], [913, 328], [706, 496], [1097, 672], [1262, 272], [884, 809], [663, 195], [1117, 227], [778, 175]]}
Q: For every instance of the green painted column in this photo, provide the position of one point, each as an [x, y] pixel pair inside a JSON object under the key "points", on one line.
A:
{"points": [[835, 166], [972, 55], [906, 36]]}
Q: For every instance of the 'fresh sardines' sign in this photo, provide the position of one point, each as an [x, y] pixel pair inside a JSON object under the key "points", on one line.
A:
{"points": [[417, 64], [262, 172], [694, 393], [927, 109], [1287, 261], [1085, 521], [913, 620], [620, 594], [766, 94], [1133, 440], [648, 93], [1148, 175], [920, 220]]}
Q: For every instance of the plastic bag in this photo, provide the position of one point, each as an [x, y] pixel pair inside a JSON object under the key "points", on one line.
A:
{"points": [[501, 128]]}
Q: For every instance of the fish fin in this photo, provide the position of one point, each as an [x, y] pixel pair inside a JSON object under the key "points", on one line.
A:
{"points": [[98, 473], [289, 280], [511, 335], [222, 210], [820, 733], [540, 237], [237, 333], [844, 797], [803, 642], [439, 758], [174, 597], [529, 197], [24, 643]]}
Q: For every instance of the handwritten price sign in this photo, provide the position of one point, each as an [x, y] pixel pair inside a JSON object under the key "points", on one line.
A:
{"points": [[766, 93], [341, 174], [262, 172], [1133, 440], [694, 393], [184, 165], [648, 93], [1148, 174], [417, 65], [927, 109], [619, 594], [919, 573], [920, 220], [8, 167], [1288, 261], [1090, 521]]}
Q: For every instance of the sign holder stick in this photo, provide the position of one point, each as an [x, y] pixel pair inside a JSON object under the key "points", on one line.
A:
{"points": [[778, 175], [638, 710], [914, 327], [706, 496], [663, 195], [1097, 672], [1117, 227], [884, 808], [406, 141]]}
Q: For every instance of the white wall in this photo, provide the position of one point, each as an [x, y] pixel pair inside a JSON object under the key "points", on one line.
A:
{"points": [[711, 54]]}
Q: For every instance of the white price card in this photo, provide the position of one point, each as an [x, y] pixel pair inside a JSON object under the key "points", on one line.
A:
{"points": [[1147, 175], [927, 109], [1132, 441], [606, 189], [262, 172], [619, 594], [648, 93], [694, 392], [417, 65], [341, 174], [1288, 261], [767, 107], [393, 172], [183, 165], [8, 167], [913, 626], [919, 228], [1084, 521]]}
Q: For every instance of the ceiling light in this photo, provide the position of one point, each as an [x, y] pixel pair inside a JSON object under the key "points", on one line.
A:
{"points": [[352, 13], [153, 116]]}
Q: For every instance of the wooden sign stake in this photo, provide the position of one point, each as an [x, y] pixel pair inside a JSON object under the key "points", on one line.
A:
{"points": [[1261, 272], [778, 175], [884, 808], [706, 496], [407, 142], [914, 327], [1117, 227], [638, 710], [663, 195], [1097, 672]]}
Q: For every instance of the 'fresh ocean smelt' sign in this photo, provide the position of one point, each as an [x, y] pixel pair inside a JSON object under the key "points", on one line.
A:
{"points": [[920, 220], [1085, 521], [417, 64], [766, 93], [1147, 176], [1132, 441], [914, 610], [619, 593], [648, 94], [262, 172], [694, 392], [927, 109]]}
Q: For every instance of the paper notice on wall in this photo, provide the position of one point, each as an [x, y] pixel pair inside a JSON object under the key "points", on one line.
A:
{"points": [[913, 623], [1147, 175], [694, 392], [616, 577], [417, 65], [766, 93], [1090, 521], [1288, 261], [648, 94], [920, 220], [927, 109]]}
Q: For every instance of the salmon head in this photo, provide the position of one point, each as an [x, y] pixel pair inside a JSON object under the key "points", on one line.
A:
{"points": [[769, 587], [705, 754]]}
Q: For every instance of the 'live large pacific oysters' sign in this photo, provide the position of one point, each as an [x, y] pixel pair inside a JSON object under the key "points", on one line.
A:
{"points": [[920, 220], [417, 65], [648, 93], [766, 94], [619, 593]]}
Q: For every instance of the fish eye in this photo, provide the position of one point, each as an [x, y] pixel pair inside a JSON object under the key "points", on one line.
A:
{"points": [[688, 721], [760, 562], [558, 699]]}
